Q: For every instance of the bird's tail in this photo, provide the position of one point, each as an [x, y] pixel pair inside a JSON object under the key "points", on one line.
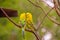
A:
{"points": [[23, 33]]}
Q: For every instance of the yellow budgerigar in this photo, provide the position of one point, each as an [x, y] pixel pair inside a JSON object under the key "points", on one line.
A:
{"points": [[23, 23]]}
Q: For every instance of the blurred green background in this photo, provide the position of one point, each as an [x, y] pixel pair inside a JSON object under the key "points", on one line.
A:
{"points": [[9, 31]]}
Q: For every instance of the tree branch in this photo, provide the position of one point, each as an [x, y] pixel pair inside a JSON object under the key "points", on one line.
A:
{"points": [[29, 30], [10, 18]]}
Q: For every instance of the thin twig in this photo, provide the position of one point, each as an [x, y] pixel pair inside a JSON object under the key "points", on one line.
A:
{"points": [[38, 26], [32, 25], [35, 33], [56, 6], [36, 5], [37, 36]]}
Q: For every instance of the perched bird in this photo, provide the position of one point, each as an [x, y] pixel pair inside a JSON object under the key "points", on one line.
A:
{"points": [[23, 23], [29, 21]]}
